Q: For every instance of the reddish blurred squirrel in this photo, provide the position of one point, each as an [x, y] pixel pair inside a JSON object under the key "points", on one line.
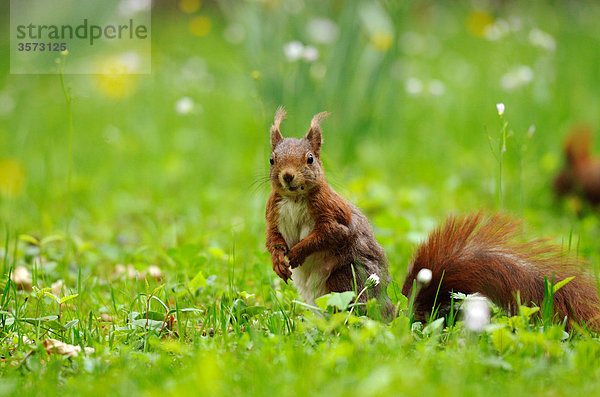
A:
{"points": [[325, 244], [581, 174]]}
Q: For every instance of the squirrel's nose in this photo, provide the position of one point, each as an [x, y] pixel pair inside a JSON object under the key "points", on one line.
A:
{"points": [[288, 177]]}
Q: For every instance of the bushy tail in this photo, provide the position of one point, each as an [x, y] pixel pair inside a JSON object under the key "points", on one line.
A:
{"points": [[480, 254]]}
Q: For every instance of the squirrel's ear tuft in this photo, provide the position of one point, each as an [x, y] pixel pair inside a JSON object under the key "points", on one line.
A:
{"points": [[276, 136], [314, 135]]}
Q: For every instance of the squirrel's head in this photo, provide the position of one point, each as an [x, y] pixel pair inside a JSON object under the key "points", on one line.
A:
{"points": [[577, 159], [296, 166], [577, 147]]}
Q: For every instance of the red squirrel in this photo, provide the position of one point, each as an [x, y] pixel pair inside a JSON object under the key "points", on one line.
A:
{"points": [[582, 172], [330, 245], [475, 254]]}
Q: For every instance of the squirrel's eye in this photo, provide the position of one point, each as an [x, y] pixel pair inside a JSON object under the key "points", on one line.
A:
{"points": [[310, 159], [271, 160]]}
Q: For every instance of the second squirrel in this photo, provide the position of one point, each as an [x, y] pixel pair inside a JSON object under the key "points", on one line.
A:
{"points": [[581, 174]]}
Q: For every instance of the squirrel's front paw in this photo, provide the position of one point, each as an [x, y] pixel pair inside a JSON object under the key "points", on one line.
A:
{"points": [[295, 258], [281, 267]]}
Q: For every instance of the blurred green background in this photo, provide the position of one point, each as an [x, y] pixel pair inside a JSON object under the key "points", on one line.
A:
{"points": [[180, 156], [169, 170]]}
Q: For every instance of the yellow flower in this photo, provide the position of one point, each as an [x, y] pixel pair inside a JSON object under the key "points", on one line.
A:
{"points": [[12, 177], [200, 26], [382, 40], [478, 21], [189, 6], [115, 78]]}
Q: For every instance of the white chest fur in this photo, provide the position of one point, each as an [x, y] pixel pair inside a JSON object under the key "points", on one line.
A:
{"points": [[296, 223]]}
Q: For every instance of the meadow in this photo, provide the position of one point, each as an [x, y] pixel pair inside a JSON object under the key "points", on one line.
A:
{"points": [[133, 205]]}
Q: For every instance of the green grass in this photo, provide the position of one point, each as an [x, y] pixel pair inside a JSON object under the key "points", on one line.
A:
{"points": [[136, 183]]}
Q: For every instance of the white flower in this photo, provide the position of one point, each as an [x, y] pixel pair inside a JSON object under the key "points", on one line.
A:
{"points": [[293, 50], [424, 276], [436, 88], [497, 30], [413, 86], [500, 107], [372, 281], [310, 53], [131, 7], [184, 105], [476, 312], [542, 39], [524, 73], [130, 61], [322, 30], [515, 23], [234, 33], [516, 77]]}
